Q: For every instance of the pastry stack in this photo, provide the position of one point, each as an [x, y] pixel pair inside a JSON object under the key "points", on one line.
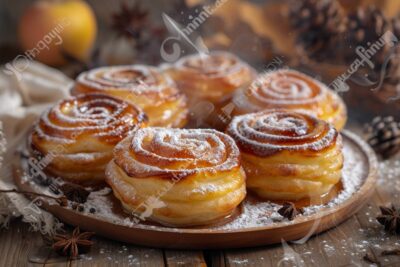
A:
{"points": [[129, 127]]}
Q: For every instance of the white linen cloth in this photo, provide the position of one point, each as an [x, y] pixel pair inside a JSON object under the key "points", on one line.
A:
{"points": [[27, 88]]}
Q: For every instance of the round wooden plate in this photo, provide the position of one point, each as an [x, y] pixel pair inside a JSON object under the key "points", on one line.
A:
{"points": [[217, 237]]}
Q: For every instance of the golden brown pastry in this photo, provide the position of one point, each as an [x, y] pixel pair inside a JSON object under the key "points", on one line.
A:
{"points": [[288, 155], [143, 86], [289, 89], [211, 78], [177, 177], [77, 135]]}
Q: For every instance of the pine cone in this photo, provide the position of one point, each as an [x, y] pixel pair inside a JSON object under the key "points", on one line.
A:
{"points": [[392, 75], [395, 24], [384, 136], [365, 27], [319, 25]]}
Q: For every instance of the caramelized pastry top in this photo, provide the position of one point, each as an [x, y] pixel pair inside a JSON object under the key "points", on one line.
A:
{"points": [[97, 116], [269, 132], [176, 153], [211, 76], [215, 65], [136, 79], [289, 89], [286, 87], [144, 86]]}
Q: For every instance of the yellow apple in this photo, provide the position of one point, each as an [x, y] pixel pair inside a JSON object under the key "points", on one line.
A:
{"points": [[49, 27]]}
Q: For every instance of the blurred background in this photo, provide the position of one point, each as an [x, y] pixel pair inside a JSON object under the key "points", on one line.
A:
{"points": [[320, 38]]}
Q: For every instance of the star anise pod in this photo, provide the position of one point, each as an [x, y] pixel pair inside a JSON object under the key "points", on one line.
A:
{"points": [[390, 218], [73, 245], [130, 20], [289, 211], [75, 193]]}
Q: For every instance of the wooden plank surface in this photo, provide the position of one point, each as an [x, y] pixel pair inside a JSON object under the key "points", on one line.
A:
{"points": [[16, 244], [343, 246], [175, 258]]}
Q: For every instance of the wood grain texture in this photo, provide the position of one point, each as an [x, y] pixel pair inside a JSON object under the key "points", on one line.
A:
{"points": [[103, 253], [16, 244], [175, 258]]}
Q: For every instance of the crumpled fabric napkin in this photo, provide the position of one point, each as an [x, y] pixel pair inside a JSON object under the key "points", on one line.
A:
{"points": [[27, 88]]}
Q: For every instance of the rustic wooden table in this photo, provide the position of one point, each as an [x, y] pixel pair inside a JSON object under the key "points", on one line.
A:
{"points": [[345, 245]]}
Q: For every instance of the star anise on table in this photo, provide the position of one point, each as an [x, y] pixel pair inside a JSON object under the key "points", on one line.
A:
{"points": [[289, 210], [390, 218], [73, 245], [130, 20]]}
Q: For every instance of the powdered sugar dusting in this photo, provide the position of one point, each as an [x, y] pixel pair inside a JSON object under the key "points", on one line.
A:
{"points": [[283, 89], [166, 151], [257, 214], [93, 114], [216, 64], [133, 78], [254, 213], [271, 131]]}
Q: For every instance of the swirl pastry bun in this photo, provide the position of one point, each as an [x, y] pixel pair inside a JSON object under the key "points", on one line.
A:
{"points": [[289, 89], [211, 79], [177, 177], [144, 86], [288, 155], [78, 135]]}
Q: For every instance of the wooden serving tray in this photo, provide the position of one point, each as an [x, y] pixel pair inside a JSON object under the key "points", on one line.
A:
{"points": [[255, 223]]}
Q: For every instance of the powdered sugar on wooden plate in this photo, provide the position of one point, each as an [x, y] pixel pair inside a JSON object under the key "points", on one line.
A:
{"points": [[254, 213]]}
